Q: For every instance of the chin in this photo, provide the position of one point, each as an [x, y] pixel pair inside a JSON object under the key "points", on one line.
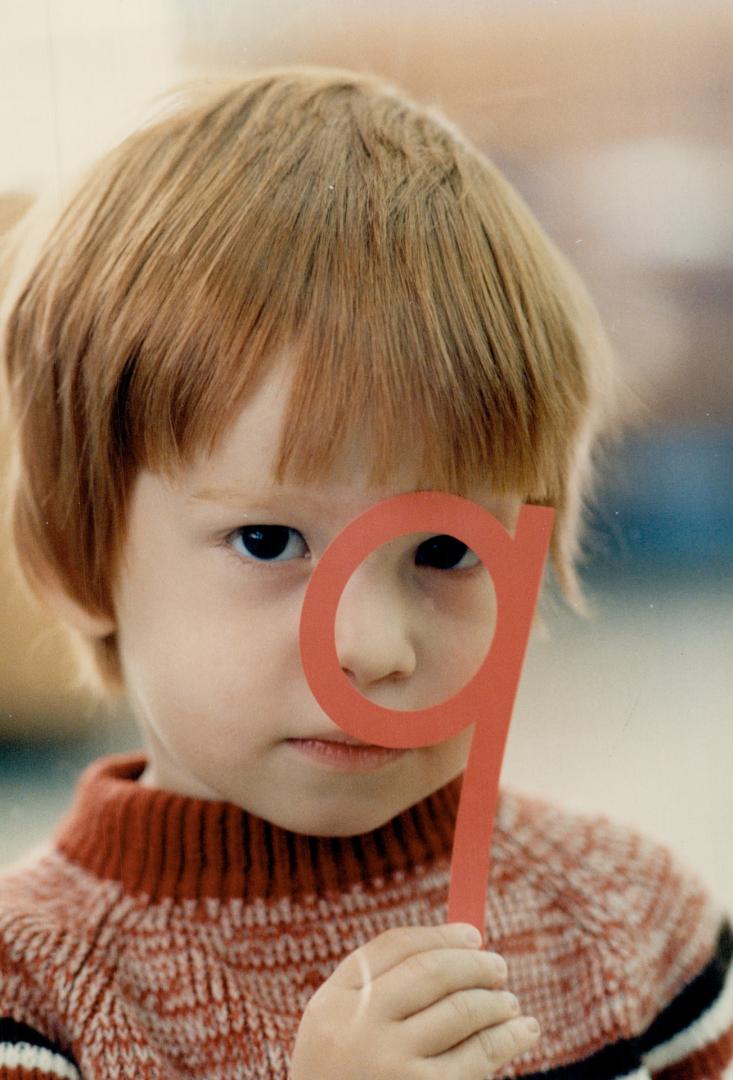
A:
{"points": [[341, 824], [342, 831]]}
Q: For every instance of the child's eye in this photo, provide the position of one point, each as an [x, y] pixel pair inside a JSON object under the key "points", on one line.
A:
{"points": [[445, 553], [269, 543]]}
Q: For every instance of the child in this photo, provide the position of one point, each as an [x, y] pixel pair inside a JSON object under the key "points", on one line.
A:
{"points": [[255, 319]]}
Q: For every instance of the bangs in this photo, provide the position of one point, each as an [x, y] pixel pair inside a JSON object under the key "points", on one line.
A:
{"points": [[409, 286]]}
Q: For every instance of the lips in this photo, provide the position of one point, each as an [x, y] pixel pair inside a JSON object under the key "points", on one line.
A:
{"points": [[333, 737], [344, 754]]}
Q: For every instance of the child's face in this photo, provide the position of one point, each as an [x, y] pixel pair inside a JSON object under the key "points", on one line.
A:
{"points": [[208, 608]]}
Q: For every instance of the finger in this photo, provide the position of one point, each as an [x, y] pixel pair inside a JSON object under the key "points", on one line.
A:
{"points": [[489, 1050], [456, 1018], [384, 952], [425, 978]]}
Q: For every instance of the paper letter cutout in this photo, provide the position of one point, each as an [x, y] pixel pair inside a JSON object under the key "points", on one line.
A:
{"points": [[516, 565]]}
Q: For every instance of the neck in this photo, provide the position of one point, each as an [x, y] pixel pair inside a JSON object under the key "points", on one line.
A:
{"points": [[172, 846]]}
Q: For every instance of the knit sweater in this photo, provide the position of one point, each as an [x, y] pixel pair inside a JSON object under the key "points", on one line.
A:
{"points": [[161, 936]]}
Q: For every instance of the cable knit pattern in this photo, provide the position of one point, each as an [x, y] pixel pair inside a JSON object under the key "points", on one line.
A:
{"points": [[164, 937]]}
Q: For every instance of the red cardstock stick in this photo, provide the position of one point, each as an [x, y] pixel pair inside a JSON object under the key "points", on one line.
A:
{"points": [[516, 564]]}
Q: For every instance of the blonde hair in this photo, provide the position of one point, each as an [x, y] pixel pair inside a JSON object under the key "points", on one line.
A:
{"points": [[315, 211]]}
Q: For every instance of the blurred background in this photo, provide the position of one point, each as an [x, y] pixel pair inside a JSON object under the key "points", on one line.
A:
{"points": [[614, 122]]}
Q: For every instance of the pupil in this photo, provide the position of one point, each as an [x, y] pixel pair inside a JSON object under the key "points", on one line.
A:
{"points": [[268, 541], [441, 552]]}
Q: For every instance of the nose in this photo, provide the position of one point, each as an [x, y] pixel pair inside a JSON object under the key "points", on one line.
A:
{"points": [[373, 635]]}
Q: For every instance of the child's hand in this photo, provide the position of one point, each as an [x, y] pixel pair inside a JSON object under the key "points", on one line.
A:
{"points": [[416, 1003]]}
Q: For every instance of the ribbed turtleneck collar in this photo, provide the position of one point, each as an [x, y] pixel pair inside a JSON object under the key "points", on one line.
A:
{"points": [[173, 846]]}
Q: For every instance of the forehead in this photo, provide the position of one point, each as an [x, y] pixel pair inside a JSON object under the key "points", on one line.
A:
{"points": [[240, 475], [250, 448]]}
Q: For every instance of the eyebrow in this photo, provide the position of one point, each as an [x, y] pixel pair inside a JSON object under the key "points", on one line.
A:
{"points": [[258, 500], [223, 495]]}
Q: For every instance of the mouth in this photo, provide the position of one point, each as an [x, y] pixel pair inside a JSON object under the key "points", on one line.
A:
{"points": [[344, 753], [339, 737]]}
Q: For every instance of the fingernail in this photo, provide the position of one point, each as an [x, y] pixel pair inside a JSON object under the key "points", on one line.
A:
{"points": [[500, 967], [472, 935], [532, 1026]]}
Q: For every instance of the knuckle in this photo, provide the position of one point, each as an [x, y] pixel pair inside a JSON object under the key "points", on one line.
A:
{"points": [[502, 1043], [399, 932], [464, 1006], [425, 966], [388, 937], [403, 936], [491, 1049]]}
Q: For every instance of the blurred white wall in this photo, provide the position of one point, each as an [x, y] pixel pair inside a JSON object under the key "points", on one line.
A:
{"points": [[75, 77]]}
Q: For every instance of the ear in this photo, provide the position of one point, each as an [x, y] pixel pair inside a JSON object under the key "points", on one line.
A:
{"points": [[71, 612]]}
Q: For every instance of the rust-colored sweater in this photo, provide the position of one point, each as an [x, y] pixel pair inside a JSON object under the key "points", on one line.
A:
{"points": [[168, 937]]}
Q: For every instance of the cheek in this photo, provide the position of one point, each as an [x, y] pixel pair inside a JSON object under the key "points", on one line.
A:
{"points": [[184, 647], [454, 634], [450, 757], [460, 621]]}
